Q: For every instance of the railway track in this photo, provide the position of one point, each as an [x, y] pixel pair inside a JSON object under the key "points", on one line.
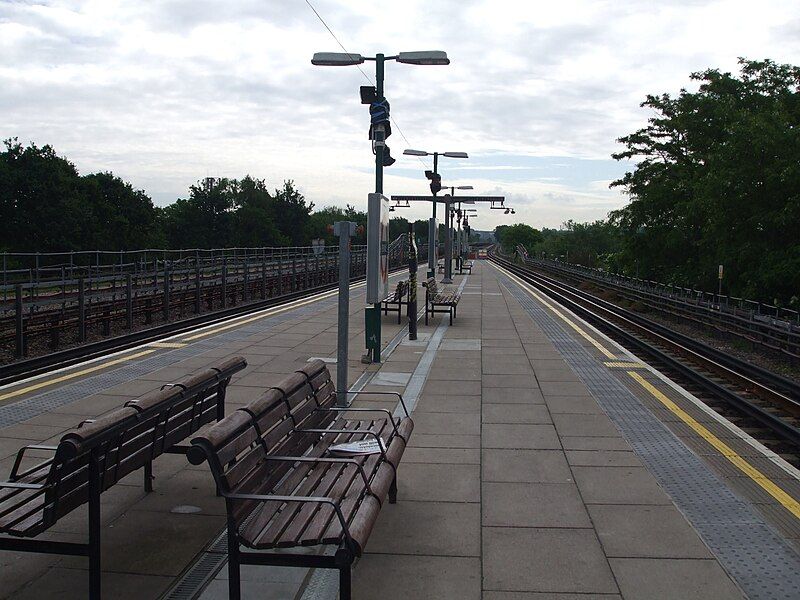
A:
{"points": [[764, 404]]}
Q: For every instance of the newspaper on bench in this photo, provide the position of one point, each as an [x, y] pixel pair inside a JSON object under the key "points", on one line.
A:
{"points": [[371, 446]]}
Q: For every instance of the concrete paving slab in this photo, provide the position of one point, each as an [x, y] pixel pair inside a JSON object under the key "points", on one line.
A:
{"points": [[422, 440], [451, 423], [492, 595], [509, 395], [646, 531], [602, 458], [402, 577], [534, 466], [452, 388], [532, 437], [619, 485], [563, 388], [439, 482], [448, 404], [461, 344], [581, 405], [510, 381], [447, 373], [74, 583], [429, 528], [390, 378], [533, 505], [593, 425], [594, 443], [555, 560], [467, 456], [672, 579], [515, 413]]}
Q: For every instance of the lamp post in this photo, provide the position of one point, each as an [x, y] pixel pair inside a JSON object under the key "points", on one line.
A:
{"points": [[433, 230], [448, 244], [375, 96]]}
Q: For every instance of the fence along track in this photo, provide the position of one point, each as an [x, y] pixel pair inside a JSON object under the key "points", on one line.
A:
{"points": [[772, 327], [45, 317]]}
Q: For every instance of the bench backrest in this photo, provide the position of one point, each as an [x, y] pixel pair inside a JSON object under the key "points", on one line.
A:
{"points": [[133, 435], [400, 291], [236, 447], [430, 285]]}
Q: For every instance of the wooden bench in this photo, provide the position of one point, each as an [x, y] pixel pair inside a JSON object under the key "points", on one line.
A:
{"points": [[395, 302], [284, 488], [96, 455], [440, 298]]}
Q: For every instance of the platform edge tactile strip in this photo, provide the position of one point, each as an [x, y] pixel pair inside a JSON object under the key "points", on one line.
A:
{"points": [[749, 549]]}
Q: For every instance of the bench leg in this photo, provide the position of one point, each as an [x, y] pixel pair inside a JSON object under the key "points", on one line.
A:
{"points": [[95, 573], [451, 315], [345, 588], [426, 313], [234, 579], [148, 477], [393, 491]]}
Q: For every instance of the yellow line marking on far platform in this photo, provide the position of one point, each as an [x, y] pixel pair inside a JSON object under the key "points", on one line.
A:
{"points": [[73, 375], [625, 365], [745, 467], [168, 345]]}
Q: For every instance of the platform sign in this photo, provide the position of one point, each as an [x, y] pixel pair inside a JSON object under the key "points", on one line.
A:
{"points": [[377, 248]]}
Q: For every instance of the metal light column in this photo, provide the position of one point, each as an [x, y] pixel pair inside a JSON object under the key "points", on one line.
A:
{"points": [[448, 242], [434, 232], [373, 325]]}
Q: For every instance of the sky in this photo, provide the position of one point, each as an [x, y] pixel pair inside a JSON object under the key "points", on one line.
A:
{"points": [[166, 92]]}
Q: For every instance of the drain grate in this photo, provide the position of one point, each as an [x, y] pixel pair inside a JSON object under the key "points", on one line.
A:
{"points": [[757, 558]]}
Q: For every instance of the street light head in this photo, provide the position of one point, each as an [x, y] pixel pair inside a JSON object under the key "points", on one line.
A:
{"points": [[336, 59], [465, 187], [429, 57], [455, 154], [415, 152]]}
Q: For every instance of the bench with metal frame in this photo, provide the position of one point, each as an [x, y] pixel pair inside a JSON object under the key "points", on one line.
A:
{"points": [[434, 297], [466, 265], [283, 486], [395, 302], [96, 455]]}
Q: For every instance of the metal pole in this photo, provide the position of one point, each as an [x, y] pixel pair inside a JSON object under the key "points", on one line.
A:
{"points": [[372, 321], [448, 242], [345, 230], [433, 230], [412, 284], [18, 317]]}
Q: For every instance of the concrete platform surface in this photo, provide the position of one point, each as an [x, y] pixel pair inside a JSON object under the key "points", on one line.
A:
{"points": [[533, 471]]}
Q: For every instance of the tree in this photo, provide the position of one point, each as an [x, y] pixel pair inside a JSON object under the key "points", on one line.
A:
{"points": [[718, 182], [510, 236]]}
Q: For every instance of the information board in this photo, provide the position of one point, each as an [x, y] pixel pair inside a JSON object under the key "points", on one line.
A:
{"points": [[377, 248]]}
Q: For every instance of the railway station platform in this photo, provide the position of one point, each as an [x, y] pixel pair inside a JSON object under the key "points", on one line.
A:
{"points": [[546, 462]]}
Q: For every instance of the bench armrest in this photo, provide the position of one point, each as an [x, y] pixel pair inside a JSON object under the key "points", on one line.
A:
{"points": [[304, 499], [398, 394], [14, 470]]}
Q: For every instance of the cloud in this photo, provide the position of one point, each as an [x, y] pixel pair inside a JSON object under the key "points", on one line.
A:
{"points": [[165, 92]]}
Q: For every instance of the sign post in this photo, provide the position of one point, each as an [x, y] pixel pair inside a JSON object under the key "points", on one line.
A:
{"points": [[719, 289], [345, 230]]}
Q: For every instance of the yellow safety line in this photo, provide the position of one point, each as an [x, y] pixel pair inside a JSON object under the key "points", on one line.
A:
{"points": [[271, 313], [178, 344], [625, 365], [745, 467], [568, 321], [73, 375]]}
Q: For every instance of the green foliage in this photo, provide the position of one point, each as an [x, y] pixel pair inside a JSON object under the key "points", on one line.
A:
{"points": [[590, 244], [718, 183], [510, 236]]}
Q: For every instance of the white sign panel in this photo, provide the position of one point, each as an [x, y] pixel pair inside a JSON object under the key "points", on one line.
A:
{"points": [[377, 248]]}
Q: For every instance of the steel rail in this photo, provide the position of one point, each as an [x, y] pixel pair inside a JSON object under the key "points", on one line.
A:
{"points": [[774, 423]]}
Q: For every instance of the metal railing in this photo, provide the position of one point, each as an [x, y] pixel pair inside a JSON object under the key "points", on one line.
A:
{"points": [[41, 314]]}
